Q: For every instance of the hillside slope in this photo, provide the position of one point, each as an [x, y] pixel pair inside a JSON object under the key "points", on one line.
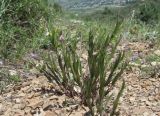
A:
{"points": [[80, 4]]}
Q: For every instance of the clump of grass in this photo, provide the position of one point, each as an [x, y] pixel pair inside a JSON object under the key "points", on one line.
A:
{"points": [[104, 67]]}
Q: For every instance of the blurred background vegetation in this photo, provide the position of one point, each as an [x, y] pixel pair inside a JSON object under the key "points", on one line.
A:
{"points": [[23, 21]]}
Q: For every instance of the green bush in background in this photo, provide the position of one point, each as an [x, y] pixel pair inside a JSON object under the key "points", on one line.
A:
{"points": [[20, 21], [149, 12]]}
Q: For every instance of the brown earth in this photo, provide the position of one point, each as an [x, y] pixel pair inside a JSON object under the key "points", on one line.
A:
{"points": [[35, 96]]}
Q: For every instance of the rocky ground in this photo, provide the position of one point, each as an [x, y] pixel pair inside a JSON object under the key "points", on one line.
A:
{"points": [[35, 96]]}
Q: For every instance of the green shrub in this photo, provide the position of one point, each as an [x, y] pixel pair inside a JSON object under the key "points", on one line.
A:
{"points": [[65, 67], [57, 7], [20, 21], [25, 14], [148, 12], [107, 11]]}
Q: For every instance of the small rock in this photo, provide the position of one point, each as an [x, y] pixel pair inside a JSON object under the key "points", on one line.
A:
{"points": [[150, 98], [153, 80], [74, 107], [30, 96], [148, 103], [157, 98], [134, 64], [156, 84], [37, 94], [27, 110], [84, 56], [17, 88], [156, 109], [157, 52], [145, 114], [25, 89], [154, 103], [142, 104], [17, 106], [130, 88], [1, 62], [158, 114], [143, 99], [1, 109], [34, 71], [33, 111], [77, 89], [148, 83], [17, 101], [8, 112], [53, 98], [157, 91], [34, 56], [140, 110], [50, 113], [12, 72], [21, 94], [8, 98], [19, 112], [132, 99], [145, 66], [1, 99], [47, 106], [25, 84], [35, 103], [28, 114], [37, 112], [22, 106], [154, 63]]}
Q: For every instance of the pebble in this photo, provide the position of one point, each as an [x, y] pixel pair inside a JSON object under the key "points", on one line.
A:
{"points": [[132, 99], [150, 98], [156, 109], [19, 112], [148, 103], [1, 109], [49, 113], [154, 63], [157, 52], [17, 101], [17, 106], [36, 103], [12, 72], [27, 109], [1, 99], [158, 114], [130, 88], [1, 62], [47, 106], [143, 99], [157, 91], [145, 114]]}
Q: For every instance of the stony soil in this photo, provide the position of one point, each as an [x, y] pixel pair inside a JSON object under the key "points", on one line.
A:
{"points": [[35, 96]]}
